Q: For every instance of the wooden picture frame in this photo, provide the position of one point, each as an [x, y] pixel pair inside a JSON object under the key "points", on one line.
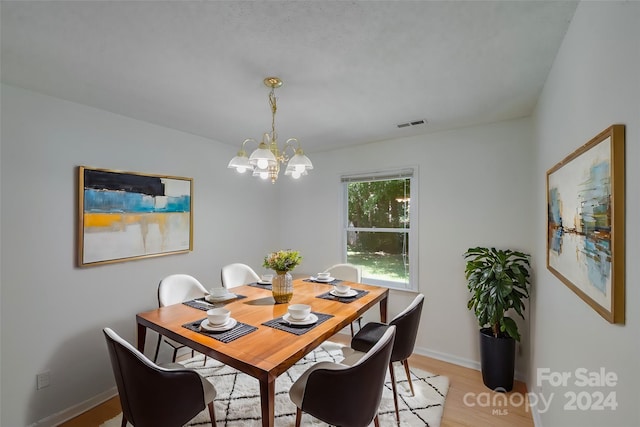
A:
{"points": [[585, 223], [124, 216]]}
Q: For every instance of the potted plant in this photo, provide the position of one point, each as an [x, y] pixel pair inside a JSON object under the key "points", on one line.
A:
{"points": [[498, 281]]}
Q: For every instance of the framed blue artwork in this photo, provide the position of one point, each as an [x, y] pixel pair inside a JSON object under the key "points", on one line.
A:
{"points": [[585, 226], [126, 215]]}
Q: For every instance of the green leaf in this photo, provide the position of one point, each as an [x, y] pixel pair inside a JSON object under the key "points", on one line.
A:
{"points": [[510, 327]]}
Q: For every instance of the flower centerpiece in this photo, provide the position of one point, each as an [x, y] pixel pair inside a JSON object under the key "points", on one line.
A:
{"points": [[282, 262]]}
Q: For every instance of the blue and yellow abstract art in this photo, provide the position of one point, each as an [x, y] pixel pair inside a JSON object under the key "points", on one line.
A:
{"points": [[125, 215]]}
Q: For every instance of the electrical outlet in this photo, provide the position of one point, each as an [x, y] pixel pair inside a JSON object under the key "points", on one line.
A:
{"points": [[43, 380]]}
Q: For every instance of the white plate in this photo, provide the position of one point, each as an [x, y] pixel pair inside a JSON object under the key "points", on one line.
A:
{"points": [[310, 320], [226, 297], [231, 323], [330, 279], [260, 282], [351, 293]]}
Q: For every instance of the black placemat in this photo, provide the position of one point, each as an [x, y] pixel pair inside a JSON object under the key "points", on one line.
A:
{"points": [[258, 285], [279, 323], [240, 330], [333, 282], [204, 305], [346, 300]]}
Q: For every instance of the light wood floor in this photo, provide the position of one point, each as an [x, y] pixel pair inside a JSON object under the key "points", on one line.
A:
{"points": [[468, 402]]}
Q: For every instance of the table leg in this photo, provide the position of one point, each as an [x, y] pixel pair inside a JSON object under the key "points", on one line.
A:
{"points": [[267, 401], [383, 310], [142, 337]]}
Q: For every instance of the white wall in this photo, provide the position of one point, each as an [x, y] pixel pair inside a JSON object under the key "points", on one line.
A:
{"points": [[474, 190], [52, 312], [594, 83]]}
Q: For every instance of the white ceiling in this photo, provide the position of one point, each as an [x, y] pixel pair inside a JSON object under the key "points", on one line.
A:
{"points": [[352, 70]]}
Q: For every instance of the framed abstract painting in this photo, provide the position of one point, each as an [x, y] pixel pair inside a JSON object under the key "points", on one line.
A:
{"points": [[127, 215], [585, 226]]}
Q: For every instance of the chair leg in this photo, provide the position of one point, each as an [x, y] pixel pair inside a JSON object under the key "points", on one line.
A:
{"points": [[395, 391], [376, 421], [212, 414], [405, 362], [124, 421], [359, 320], [175, 354], [155, 358], [298, 417]]}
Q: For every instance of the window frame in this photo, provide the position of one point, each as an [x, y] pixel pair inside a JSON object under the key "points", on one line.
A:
{"points": [[411, 173]]}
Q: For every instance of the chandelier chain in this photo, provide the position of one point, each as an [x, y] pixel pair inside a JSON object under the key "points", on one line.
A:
{"points": [[274, 108]]}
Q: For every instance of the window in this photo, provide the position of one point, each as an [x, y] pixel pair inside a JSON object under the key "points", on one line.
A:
{"points": [[379, 227]]}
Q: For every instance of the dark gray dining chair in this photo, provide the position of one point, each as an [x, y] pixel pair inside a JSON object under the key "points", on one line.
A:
{"points": [[347, 396], [406, 323], [153, 395]]}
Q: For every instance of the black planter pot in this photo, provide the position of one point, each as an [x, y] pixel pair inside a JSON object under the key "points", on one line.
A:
{"points": [[497, 357]]}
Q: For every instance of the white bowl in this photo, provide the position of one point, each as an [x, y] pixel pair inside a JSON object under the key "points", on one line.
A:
{"points": [[299, 311], [323, 276], [341, 288], [267, 277], [218, 316], [218, 292]]}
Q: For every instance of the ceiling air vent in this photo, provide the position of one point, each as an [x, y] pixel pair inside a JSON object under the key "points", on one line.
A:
{"points": [[413, 123]]}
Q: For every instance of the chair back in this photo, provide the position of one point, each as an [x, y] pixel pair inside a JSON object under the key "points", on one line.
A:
{"points": [[350, 396], [152, 396], [347, 272], [407, 323], [237, 274], [179, 288]]}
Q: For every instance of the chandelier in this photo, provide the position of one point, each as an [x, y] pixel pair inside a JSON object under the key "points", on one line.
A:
{"points": [[265, 160]]}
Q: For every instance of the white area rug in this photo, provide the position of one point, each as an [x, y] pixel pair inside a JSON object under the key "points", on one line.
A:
{"points": [[237, 403]]}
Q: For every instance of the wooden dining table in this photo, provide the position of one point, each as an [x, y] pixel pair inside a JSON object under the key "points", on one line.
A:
{"points": [[266, 352]]}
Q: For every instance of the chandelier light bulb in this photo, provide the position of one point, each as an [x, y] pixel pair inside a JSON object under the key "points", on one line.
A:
{"points": [[264, 175], [262, 163], [241, 169], [299, 169], [295, 175]]}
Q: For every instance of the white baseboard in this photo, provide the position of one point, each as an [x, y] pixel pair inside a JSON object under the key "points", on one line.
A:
{"points": [[537, 421], [460, 361], [449, 358], [72, 412]]}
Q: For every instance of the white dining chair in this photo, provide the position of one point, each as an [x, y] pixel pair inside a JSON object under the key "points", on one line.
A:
{"points": [[345, 271], [174, 289], [351, 273], [237, 274]]}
